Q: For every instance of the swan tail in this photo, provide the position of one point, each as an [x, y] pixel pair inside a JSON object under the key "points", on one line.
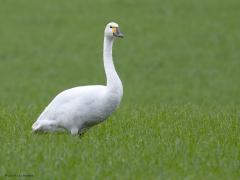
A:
{"points": [[44, 125], [35, 126]]}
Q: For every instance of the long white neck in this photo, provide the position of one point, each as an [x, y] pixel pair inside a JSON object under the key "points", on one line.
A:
{"points": [[114, 83]]}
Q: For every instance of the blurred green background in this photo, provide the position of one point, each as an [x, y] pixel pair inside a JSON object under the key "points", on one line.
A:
{"points": [[173, 51], [179, 64]]}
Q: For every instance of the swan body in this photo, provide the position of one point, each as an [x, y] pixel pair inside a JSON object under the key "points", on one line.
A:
{"points": [[79, 108]]}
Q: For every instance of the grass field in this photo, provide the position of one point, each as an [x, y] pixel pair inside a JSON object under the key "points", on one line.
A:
{"points": [[179, 63]]}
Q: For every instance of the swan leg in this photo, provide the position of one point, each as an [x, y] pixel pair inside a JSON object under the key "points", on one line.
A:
{"points": [[74, 131]]}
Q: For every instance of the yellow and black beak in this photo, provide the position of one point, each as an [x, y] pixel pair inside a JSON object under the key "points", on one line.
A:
{"points": [[116, 32]]}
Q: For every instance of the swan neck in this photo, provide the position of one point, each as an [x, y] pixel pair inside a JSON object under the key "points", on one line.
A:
{"points": [[113, 81]]}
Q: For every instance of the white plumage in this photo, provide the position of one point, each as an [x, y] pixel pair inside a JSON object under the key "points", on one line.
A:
{"points": [[79, 108]]}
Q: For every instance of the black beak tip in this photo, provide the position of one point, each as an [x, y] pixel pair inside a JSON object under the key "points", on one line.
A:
{"points": [[121, 35], [118, 35]]}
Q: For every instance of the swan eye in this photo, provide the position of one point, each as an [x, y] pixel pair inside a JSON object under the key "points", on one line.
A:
{"points": [[110, 26]]}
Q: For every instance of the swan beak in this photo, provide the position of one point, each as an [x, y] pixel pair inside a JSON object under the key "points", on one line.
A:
{"points": [[117, 32]]}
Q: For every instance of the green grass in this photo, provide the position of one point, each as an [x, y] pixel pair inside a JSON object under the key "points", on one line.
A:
{"points": [[179, 63]]}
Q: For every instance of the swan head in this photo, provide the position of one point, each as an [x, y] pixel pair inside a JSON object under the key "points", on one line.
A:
{"points": [[112, 30]]}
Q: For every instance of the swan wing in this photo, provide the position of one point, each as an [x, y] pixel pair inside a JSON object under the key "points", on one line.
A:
{"points": [[72, 103]]}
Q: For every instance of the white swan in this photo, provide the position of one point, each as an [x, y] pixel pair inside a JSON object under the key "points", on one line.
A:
{"points": [[79, 108]]}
